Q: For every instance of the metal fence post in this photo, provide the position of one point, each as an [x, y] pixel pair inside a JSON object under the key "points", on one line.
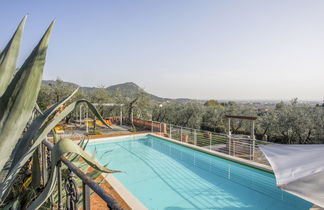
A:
{"points": [[229, 136], [86, 196], [180, 133], [152, 126], [229, 145], [195, 137], [160, 128], [59, 185], [170, 136], [210, 140], [229, 126], [253, 149]]}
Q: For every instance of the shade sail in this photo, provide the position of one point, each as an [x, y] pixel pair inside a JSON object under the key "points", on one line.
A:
{"points": [[299, 169]]}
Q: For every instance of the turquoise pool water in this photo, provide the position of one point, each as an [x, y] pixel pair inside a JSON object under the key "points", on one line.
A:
{"points": [[164, 175]]}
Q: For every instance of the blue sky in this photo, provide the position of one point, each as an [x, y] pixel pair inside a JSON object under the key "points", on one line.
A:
{"points": [[180, 48]]}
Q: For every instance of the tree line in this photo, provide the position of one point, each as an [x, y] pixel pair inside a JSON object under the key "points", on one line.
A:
{"points": [[287, 123]]}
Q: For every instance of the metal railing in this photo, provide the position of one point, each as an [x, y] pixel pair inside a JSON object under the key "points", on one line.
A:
{"points": [[238, 146], [71, 193]]}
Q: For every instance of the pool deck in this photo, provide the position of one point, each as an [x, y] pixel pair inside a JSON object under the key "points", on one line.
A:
{"points": [[97, 203]]}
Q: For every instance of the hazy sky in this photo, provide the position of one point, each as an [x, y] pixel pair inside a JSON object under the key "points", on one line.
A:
{"points": [[180, 48]]}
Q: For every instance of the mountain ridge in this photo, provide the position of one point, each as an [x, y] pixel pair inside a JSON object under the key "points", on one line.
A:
{"points": [[126, 89]]}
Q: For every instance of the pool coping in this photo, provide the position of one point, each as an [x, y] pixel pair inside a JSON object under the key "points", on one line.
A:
{"points": [[124, 193]]}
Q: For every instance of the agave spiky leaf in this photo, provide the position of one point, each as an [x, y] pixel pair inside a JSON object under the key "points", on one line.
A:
{"points": [[19, 99], [83, 144], [44, 130], [62, 148], [16, 106], [94, 174], [38, 109], [23, 151], [40, 132], [31, 134], [9, 56], [36, 139]]}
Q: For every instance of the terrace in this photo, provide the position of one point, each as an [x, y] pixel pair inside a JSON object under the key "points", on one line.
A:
{"points": [[241, 149]]}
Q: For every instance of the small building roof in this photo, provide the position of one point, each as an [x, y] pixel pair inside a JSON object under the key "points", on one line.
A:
{"points": [[241, 117]]}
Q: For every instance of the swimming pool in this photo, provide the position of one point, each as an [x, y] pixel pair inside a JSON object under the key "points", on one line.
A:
{"points": [[165, 175]]}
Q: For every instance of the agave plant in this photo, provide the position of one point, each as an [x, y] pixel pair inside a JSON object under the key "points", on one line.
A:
{"points": [[18, 94], [83, 166]]}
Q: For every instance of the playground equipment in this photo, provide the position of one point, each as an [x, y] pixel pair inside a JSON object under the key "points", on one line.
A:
{"points": [[109, 105], [98, 122], [59, 129]]}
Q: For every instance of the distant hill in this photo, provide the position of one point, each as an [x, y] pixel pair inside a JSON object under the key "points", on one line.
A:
{"points": [[129, 90]]}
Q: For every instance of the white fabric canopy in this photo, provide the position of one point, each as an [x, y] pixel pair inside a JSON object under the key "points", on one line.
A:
{"points": [[299, 169]]}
